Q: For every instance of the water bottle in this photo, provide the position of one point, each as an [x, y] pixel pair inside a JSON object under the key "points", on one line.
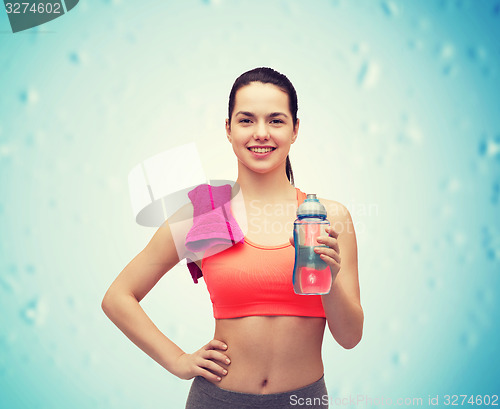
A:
{"points": [[311, 275]]}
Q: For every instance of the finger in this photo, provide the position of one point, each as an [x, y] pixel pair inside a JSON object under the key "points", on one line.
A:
{"points": [[216, 344], [209, 376], [212, 366], [331, 232], [334, 265], [292, 241], [326, 251], [330, 242], [218, 356]]}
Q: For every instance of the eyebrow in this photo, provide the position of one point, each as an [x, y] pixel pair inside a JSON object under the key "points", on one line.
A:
{"points": [[272, 114]]}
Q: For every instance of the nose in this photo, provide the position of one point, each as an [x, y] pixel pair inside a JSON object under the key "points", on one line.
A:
{"points": [[261, 131]]}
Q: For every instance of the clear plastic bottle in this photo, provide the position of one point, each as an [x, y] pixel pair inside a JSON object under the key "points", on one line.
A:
{"points": [[311, 275]]}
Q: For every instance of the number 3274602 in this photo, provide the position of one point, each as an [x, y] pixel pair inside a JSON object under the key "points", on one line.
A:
{"points": [[25, 8], [478, 400]]}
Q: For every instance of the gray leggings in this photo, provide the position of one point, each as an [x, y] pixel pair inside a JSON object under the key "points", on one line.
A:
{"points": [[205, 395]]}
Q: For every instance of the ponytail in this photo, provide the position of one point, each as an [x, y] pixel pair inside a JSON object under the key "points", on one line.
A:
{"points": [[289, 172]]}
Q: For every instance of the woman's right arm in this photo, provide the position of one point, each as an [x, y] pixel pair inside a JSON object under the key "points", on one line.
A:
{"points": [[121, 305]]}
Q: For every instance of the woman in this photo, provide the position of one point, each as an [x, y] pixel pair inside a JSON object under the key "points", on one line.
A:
{"points": [[264, 353]]}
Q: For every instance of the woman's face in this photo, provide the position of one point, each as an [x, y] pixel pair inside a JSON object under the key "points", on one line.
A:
{"points": [[261, 130]]}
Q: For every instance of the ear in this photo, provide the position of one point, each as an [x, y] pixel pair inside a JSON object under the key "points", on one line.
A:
{"points": [[228, 131], [295, 130]]}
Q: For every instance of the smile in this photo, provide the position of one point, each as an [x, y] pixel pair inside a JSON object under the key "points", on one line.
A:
{"points": [[261, 150]]}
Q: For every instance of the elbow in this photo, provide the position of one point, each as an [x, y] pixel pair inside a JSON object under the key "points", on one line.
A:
{"points": [[348, 340], [113, 299], [107, 303], [351, 342]]}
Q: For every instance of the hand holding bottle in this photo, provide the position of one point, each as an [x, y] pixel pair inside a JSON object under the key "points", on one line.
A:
{"points": [[311, 272], [330, 252]]}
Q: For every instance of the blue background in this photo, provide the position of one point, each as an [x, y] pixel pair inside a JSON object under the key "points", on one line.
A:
{"points": [[399, 104]]}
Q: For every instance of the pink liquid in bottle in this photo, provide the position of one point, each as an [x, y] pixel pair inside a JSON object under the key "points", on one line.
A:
{"points": [[314, 281]]}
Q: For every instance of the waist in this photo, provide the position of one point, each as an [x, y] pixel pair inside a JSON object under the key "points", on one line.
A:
{"points": [[271, 354], [315, 394]]}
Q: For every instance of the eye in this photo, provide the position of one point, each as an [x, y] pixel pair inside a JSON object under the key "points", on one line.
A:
{"points": [[244, 120], [277, 121]]}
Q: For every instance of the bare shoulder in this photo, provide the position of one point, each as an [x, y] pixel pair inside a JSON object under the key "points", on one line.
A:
{"points": [[336, 211], [175, 230]]}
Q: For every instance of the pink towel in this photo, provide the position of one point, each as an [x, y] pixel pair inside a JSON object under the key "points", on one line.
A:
{"points": [[213, 222]]}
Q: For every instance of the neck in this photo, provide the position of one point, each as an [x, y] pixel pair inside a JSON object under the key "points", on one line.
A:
{"points": [[272, 186]]}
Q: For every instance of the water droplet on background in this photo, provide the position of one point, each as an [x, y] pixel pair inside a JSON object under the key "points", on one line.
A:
{"points": [[360, 48], [446, 51], [29, 96], [70, 302], [410, 135], [416, 44], [496, 10], [35, 312], [486, 296], [369, 74], [78, 57], [495, 192], [8, 280], [477, 53], [459, 239], [399, 358], [212, 2], [52, 203], [435, 283], [390, 8], [489, 147], [469, 339], [6, 151], [30, 269], [450, 70], [452, 185], [491, 242], [424, 24]]}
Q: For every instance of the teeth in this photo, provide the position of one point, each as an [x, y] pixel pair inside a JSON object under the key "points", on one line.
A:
{"points": [[261, 150]]}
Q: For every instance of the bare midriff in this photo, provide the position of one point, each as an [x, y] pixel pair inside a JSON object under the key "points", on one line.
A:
{"points": [[271, 354]]}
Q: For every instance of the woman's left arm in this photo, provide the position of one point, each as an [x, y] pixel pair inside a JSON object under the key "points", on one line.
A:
{"points": [[342, 304]]}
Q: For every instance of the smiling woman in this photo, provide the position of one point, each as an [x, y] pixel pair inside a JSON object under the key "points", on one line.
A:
{"points": [[261, 129], [266, 349], [267, 101]]}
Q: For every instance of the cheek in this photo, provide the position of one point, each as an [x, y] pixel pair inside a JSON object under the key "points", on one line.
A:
{"points": [[285, 138]]}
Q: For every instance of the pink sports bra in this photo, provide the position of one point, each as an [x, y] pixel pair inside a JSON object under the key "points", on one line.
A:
{"points": [[252, 279]]}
